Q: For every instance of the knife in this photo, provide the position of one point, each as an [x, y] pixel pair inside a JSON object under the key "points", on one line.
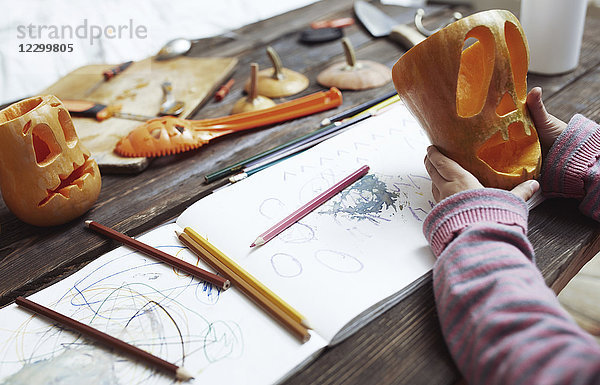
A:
{"points": [[379, 24]]}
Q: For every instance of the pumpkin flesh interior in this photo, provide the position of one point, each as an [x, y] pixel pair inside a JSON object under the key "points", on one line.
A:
{"points": [[520, 152], [19, 109]]}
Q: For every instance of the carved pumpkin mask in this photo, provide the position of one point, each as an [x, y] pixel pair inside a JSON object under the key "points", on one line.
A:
{"points": [[47, 177], [470, 98]]}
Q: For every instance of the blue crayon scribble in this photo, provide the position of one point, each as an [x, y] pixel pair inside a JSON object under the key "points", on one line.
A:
{"points": [[364, 200]]}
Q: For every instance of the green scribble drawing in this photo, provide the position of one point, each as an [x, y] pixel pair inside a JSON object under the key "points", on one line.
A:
{"points": [[366, 199]]}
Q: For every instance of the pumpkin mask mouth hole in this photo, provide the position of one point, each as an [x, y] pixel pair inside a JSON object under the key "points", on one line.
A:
{"points": [[75, 178], [516, 156]]}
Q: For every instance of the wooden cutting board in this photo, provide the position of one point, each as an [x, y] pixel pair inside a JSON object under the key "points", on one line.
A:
{"points": [[138, 90]]}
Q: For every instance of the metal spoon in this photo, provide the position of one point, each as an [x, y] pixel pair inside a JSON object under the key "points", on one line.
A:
{"points": [[174, 48], [169, 105], [181, 46]]}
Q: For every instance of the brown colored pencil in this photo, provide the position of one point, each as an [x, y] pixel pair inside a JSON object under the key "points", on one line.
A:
{"points": [[293, 326], [105, 339], [220, 282]]}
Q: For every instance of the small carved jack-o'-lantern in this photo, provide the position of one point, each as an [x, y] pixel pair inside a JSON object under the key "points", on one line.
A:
{"points": [[47, 177], [471, 98]]}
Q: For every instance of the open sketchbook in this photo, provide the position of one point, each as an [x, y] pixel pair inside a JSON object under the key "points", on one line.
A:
{"points": [[339, 266]]}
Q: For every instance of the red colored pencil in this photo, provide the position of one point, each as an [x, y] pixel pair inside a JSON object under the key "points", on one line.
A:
{"points": [[105, 339], [218, 281], [310, 206]]}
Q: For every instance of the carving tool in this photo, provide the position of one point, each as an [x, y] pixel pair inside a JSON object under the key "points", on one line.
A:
{"points": [[107, 75], [169, 105], [100, 112], [170, 135], [309, 206], [335, 23], [224, 90], [105, 339]]}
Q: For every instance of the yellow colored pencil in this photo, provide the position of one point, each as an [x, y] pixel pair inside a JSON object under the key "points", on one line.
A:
{"points": [[293, 326], [243, 274]]}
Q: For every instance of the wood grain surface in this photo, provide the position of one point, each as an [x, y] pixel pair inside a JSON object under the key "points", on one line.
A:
{"points": [[403, 345], [138, 91]]}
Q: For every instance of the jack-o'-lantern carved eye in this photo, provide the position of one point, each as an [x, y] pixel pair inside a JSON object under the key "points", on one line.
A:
{"points": [[518, 58], [68, 129], [45, 146], [475, 72]]}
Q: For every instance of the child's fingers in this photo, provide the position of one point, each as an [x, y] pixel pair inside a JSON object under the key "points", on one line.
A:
{"points": [[435, 176], [536, 106], [436, 192], [446, 167], [526, 189]]}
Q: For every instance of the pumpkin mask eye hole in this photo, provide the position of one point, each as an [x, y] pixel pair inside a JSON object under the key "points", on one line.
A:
{"points": [[475, 72], [518, 58], [45, 146], [68, 129]]}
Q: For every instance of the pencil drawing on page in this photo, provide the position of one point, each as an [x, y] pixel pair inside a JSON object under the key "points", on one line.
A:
{"points": [[136, 302]]}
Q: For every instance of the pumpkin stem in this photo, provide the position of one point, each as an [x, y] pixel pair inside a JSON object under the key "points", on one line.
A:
{"points": [[253, 81], [349, 52], [276, 61]]}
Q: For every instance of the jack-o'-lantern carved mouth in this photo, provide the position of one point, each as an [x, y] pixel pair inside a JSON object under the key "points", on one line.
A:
{"points": [[68, 182], [515, 156]]}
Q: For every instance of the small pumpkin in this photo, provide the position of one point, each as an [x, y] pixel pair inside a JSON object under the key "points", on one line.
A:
{"points": [[470, 99], [354, 74], [278, 82], [254, 101], [46, 176]]}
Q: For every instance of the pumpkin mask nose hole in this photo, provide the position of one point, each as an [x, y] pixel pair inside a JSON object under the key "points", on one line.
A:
{"points": [[506, 106], [475, 72], [45, 146], [520, 151]]}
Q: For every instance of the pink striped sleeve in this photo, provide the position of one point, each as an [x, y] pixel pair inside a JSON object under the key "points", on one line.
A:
{"points": [[501, 322], [571, 168]]}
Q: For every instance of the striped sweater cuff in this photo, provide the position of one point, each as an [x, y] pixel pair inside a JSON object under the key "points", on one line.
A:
{"points": [[570, 158], [455, 213]]}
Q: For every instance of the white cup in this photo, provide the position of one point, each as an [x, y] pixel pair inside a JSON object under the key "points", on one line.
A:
{"points": [[554, 29]]}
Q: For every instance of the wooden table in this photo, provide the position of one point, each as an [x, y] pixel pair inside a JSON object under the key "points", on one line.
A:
{"points": [[404, 345]]}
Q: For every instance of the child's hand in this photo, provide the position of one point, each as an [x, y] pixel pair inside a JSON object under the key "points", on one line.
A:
{"points": [[548, 127], [449, 178]]}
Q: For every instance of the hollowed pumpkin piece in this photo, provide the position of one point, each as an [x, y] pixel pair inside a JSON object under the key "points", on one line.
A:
{"points": [[519, 155], [463, 97]]}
